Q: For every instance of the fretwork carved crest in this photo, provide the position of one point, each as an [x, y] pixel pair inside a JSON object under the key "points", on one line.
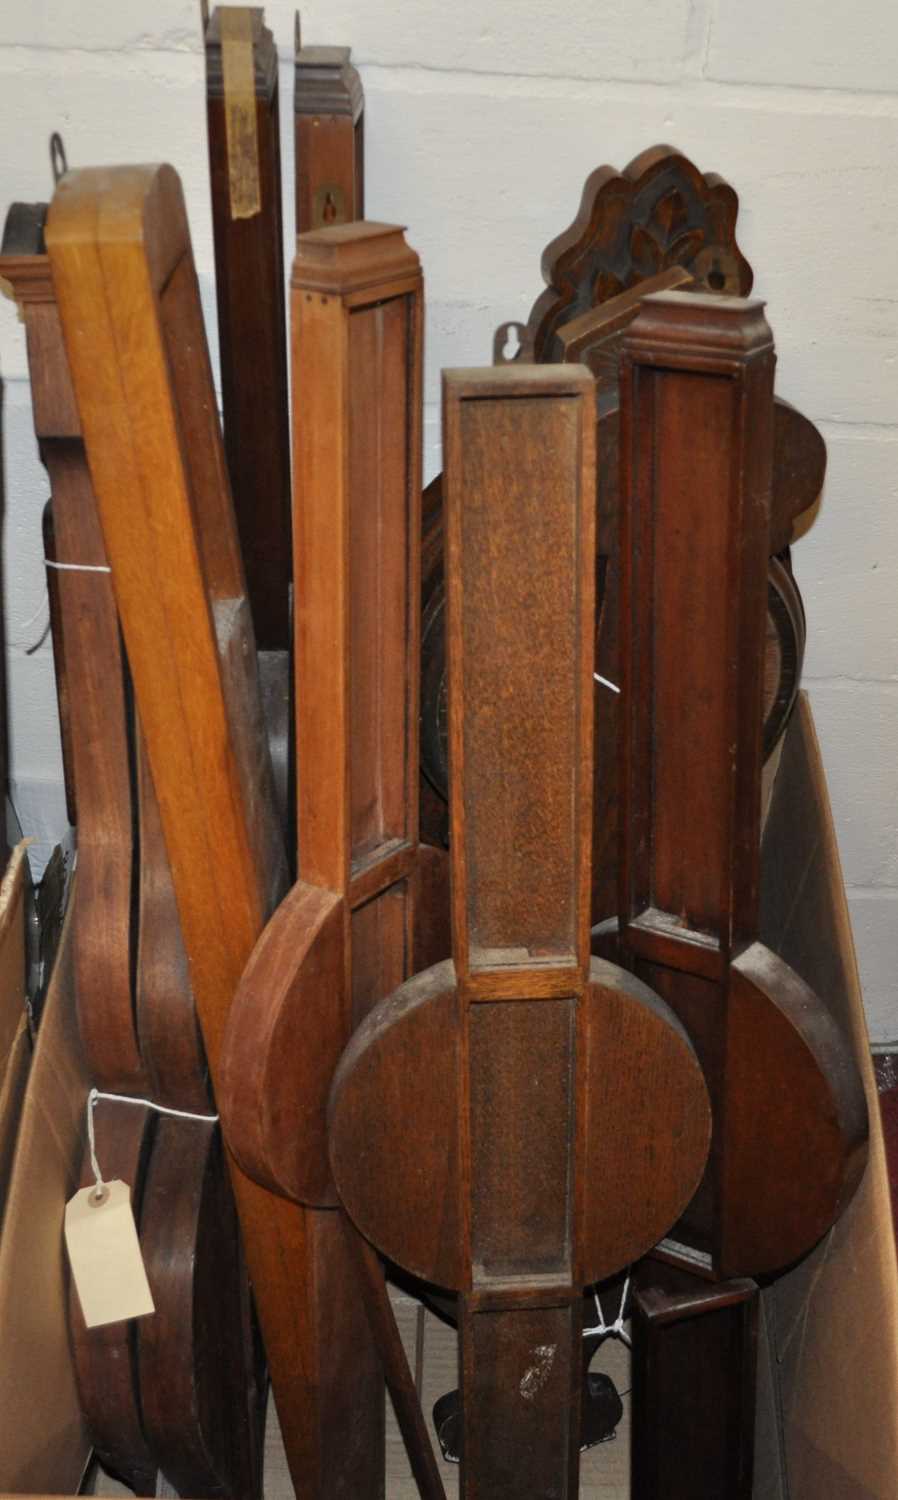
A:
{"points": [[660, 212]]}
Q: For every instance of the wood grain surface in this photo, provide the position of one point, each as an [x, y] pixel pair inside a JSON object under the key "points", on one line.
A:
{"points": [[203, 1410], [594, 336], [252, 324], [344, 936], [346, 933], [694, 549], [453, 1149], [136, 1011], [129, 305], [94, 701], [329, 131]]}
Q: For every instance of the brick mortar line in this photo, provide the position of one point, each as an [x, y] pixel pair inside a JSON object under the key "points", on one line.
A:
{"points": [[845, 682], [690, 84]]}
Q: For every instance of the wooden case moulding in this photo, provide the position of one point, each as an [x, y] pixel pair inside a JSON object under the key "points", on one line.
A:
{"points": [[357, 324], [129, 305], [136, 1010], [663, 226], [245, 174], [349, 930], [513, 1187], [329, 123], [696, 441], [95, 687], [135, 1007], [696, 445], [105, 1358], [660, 213]]}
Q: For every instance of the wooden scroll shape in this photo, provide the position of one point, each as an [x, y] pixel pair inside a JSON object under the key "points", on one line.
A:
{"points": [[659, 213], [245, 172], [329, 111], [694, 1377], [106, 1358], [789, 1115], [135, 1011], [129, 304], [493, 1121]]}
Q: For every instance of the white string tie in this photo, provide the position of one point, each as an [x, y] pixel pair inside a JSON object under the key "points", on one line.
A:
{"points": [[605, 683], [93, 1099], [616, 1329], [44, 607]]}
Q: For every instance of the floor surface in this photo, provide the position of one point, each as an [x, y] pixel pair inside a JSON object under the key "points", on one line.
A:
{"points": [[604, 1473]]}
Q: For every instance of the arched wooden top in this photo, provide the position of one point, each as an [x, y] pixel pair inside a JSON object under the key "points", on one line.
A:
{"points": [[660, 212]]}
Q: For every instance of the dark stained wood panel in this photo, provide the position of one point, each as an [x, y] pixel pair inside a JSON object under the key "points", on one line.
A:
{"points": [[522, 1118], [252, 322]]}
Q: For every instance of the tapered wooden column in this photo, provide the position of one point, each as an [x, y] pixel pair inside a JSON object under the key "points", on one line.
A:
{"points": [[492, 1122]]}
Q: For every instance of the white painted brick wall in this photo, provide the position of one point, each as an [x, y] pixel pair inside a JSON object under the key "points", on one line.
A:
{"points": [[482, 122]]}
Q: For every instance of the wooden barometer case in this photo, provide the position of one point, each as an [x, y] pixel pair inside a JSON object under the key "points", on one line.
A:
{"points": [[242, 109], [496, 1124]]}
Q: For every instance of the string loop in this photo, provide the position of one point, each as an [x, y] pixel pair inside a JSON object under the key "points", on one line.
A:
{"points": [[93, 1098], [616, 1329]]}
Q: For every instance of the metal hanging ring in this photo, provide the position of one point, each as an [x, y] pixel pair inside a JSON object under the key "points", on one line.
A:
{"points": [[58, 162]]}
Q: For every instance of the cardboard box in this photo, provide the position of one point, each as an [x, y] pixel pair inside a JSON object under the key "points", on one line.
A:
{"points": [[828, 1373], [43, 1444], [828, 1376]]}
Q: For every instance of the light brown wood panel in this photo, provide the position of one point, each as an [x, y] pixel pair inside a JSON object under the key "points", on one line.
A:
{"points": [[357, 321], [129, 305], [357, 314]]}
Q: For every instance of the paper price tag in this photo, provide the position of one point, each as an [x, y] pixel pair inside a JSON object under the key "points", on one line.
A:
{"points": [[104, 1253]]}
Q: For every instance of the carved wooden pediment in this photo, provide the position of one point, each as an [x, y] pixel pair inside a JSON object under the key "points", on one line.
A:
{"points": [[660, 212]]}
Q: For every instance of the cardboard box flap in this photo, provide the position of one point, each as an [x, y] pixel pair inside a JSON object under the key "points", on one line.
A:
{"points": [[43, 1445], [831, 1323]]}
